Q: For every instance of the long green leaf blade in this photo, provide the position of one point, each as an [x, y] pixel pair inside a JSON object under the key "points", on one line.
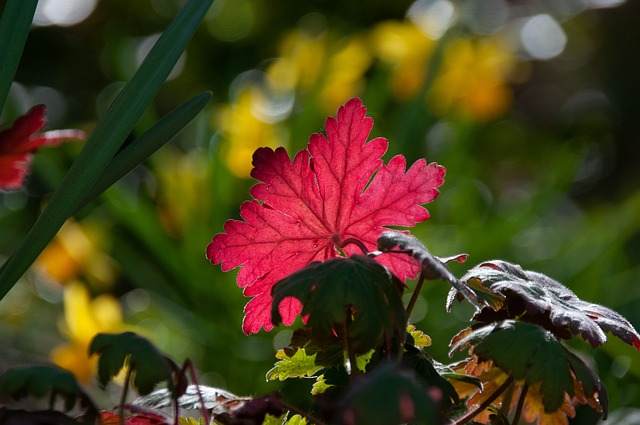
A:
{"points": [[106, 139], [14, 27], [144, 146]]}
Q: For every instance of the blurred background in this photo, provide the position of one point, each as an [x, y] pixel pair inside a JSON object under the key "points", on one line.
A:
{"points": [[530, 105]]}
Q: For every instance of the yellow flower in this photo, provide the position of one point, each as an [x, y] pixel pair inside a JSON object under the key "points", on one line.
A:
{"points": [[301, 59], [183, 179], [74, 252], [473, 79], [83, 319], [245, 131], [344, 76], [407, 50]]}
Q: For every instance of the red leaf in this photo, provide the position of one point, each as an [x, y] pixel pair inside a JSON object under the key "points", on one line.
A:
{"points": [[18, 142], [146, 418], [307, 208]]}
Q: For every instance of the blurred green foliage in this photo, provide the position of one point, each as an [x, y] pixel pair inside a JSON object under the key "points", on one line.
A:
{"points": [[548, 179]]}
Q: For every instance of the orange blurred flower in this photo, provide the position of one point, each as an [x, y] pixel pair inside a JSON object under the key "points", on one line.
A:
{"points": [[74, 252]]}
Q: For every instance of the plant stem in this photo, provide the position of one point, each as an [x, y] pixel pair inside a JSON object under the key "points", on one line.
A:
{"points": [[194, 379], [475, 412], [123, 397], [353, 360], [520, 406], [414, 296]]}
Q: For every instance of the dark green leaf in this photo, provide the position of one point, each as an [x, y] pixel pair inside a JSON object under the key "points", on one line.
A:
{"points": [[346, 293], [151, 367], [538, 359], [15, 23], [536, 298], [388, 395], [416, 360], [38, 381], [39, 417]]}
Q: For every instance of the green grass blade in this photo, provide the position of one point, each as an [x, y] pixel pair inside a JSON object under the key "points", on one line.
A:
{"points": [[14, 27], [144, 146], [106, 139]]}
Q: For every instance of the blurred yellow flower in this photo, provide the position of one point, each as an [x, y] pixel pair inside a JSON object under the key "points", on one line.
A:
{"points": [[83, 319], [75, 251], [473, 79], [183, 178], [407, 49], [245, 131], [301, 59], [344, 76]]}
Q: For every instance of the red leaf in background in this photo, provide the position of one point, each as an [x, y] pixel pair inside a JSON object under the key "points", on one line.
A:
{"points": [[146, 418], [18, 143], [305, 208]]}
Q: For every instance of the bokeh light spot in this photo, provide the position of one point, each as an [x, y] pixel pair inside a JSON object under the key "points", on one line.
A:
{"points": [[63, 12], [542, 37], [433, 17], [231, 20]]}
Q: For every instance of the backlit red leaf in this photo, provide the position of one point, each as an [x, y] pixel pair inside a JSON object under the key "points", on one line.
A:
{"points": [[306, 208], [21, 140]]}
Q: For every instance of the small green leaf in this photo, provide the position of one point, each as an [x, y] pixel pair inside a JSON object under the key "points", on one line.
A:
{"points": [[299, 365], [297, 420], [320, 385], [274, 420], [37, 381], [150, 366], [420, 339], [346, 293]]}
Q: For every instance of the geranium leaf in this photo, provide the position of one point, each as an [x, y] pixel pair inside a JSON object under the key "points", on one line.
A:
{"points": [[425, 369], [150, 365], [297, 420], [215, 399], [252, 411], [545, 302], [37, 381], [343, 291], [540, 360], [432, 267], [146, 418], [335, 192], [21, 140], [388, 395], [299, 365], [420, 339]]}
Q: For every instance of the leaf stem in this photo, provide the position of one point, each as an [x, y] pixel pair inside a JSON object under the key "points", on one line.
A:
{"points": [[353, 360], [123, 397], [194, 378], [416, 292], [358, 242], [475, 412], [520, 407]]}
